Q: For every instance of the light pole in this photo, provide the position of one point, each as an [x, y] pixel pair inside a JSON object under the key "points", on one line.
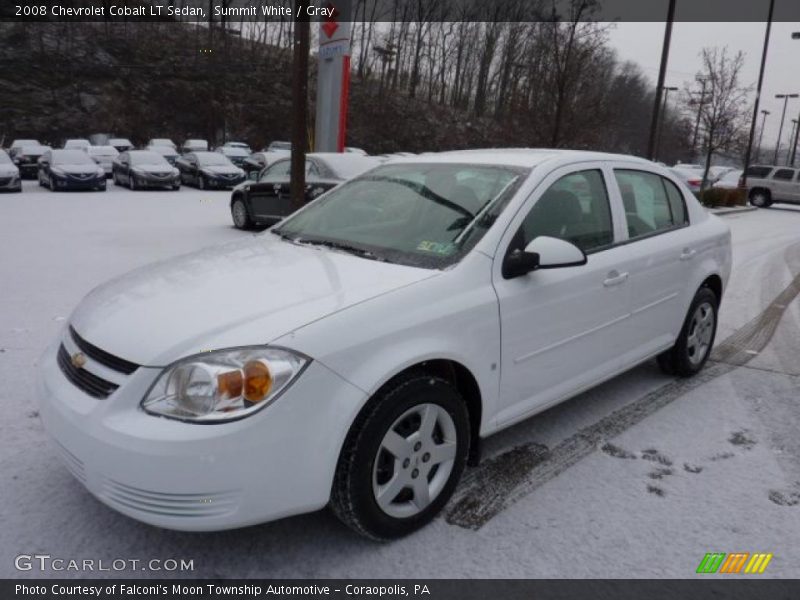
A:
{"points": [[662, 72], [770, 12], [785, 98], [666, 91], [761, 134], [794, 140]]}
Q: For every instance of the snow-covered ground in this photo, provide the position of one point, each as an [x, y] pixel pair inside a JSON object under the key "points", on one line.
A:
{"points": [[637, 478]]}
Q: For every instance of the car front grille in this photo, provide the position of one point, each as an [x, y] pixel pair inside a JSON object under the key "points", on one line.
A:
{"points": [[89, 383], [101, 356]]}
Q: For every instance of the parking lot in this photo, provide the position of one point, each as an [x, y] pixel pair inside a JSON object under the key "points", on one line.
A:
{"points": [[639, 477]]}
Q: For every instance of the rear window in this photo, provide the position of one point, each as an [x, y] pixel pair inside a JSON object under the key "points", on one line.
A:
{"points": [[652, 203], [758, 172], [784, 174]]}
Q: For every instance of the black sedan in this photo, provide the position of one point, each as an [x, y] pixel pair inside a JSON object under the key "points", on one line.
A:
{"points": [[139, 169], [209, 170], [268, 200], [27, 159], [70, 170]]}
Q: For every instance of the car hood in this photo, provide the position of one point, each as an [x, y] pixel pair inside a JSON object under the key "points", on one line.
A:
{"points": [[245, 293], [222, 170], [155, 168], [77, 169]]}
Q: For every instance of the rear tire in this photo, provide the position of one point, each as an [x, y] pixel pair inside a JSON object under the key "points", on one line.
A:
{"points": [[696, 339], [385, 494]]}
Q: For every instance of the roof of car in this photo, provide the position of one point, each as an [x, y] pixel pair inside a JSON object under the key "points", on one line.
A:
{"points": [[517, 157]]}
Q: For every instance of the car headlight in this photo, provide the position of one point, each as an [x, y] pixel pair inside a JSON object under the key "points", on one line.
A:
{"points": [[101, 172], [208, 173], [175, 172], [223, 385], [57, 171]]}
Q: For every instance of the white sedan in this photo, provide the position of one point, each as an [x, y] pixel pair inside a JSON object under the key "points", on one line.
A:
{"points": [[356, 354]]}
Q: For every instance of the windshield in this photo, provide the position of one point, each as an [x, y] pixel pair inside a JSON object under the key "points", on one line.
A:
{"points": [[213, 159], [71, 157], [426, 215], [163, 150], [144, 157]]}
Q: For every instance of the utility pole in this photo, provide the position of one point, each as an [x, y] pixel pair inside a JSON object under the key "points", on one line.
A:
{"points": [[761, 134], [758, 92], [302, 28], [662, 73], [702, 82], [789, 156], [667, 90], [785, 98]]}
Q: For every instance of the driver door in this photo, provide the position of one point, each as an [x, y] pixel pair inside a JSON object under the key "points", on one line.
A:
{"points": [[562, 329]]}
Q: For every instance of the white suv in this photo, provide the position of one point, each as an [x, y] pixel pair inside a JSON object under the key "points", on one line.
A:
{"points": [[356, 354], [767, 185]]}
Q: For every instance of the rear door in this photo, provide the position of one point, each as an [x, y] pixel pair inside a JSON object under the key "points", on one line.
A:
{"points": [[662, 251], [267, 195], [783, 186]]}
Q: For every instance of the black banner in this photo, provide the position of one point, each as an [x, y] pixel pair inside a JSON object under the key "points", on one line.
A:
{"points": [[436, 589]]}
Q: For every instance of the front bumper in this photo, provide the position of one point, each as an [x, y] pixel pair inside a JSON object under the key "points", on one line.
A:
{"points": [[157, 182], [224, 182], [200, 477], [28, 170], [69, 182], [11, 183]]}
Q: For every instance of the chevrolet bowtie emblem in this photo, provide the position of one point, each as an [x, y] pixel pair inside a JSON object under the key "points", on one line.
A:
{"points": [[78, 360]]}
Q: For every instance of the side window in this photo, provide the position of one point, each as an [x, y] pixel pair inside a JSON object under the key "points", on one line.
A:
{"points": [[784, 174], [676, 202], [576, 209], [648, 208]]}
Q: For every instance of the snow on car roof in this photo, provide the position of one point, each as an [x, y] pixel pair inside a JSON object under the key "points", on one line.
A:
{"points": [[514, 157]]}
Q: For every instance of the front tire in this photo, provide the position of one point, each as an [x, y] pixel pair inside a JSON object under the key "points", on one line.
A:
{"points": [[760, 198], [402, 458], [241, 218], [132, 183], [693, 346], [201, 183]]}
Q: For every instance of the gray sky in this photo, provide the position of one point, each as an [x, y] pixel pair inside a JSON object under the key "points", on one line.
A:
{"points": [[641, 43]]}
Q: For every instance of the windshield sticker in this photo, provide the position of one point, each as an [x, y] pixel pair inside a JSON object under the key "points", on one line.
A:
{"points": [[436, 247]]}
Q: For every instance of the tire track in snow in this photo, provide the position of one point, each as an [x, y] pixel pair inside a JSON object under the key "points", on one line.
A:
{"points": [[500, 481]]}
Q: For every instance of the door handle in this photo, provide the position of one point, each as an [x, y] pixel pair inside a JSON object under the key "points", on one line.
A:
{"points": [[688, 253], [615, 278]]}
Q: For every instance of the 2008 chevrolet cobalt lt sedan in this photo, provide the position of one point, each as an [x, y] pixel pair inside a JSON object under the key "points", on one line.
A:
{"points": [[355, 355]]}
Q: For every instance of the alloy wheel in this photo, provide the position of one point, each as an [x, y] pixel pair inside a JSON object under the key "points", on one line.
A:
{"points": [[414, 460], [701, 332]]}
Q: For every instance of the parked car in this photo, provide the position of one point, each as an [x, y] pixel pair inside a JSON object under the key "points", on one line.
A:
{"points": [[279, 146], [76, 144], [209, 170], [162, 142], [256, 162], [10, 180], [168, 152], [730, 180], [121, 144], [268, 200], [358, 353], [26, 158], [235, 154], [691, 177], [17, 145], [715, 173], [767, 185], [139, 169], [103, 156], [70, 169], [194, 146], [239, 145]]}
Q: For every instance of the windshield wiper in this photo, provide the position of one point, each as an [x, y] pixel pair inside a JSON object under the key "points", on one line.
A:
{"points": [[344, 247]]}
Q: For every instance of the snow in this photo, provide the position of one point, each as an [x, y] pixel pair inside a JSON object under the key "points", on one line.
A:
{"points": [[729, 435]]}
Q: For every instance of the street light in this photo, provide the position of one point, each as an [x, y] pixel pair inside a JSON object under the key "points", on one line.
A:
{"points": [[761, 134], [794, 141], [666, 90], [785, 98]]}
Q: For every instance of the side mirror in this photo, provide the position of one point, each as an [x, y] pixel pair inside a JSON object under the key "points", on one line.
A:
{"points": [[555, 253], [252, 175], [519, 263]]}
